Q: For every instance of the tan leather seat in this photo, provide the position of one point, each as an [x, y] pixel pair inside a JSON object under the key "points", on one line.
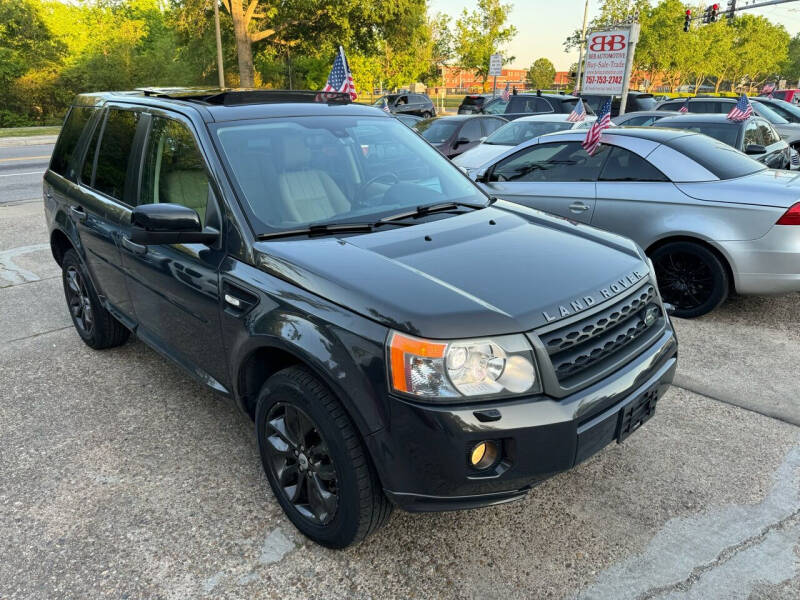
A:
{"points": [[307, 194], [189, 188]]}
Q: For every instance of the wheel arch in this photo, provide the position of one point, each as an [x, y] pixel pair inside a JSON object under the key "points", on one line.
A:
{"points": [[700, 242], [59, 245]]}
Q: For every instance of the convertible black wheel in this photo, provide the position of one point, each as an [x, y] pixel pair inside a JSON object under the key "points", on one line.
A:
{"points": [[96, 326], [315, 461], [691, 278]]}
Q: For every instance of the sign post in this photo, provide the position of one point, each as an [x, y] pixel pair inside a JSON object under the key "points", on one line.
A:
{"points": [[609, 60], [495, 69]]}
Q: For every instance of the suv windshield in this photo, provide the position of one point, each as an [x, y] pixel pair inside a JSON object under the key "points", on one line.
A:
{"points": [[727, 133], [436, 131], [721, 159], [769, 114], [302, 171], [516, 132]]}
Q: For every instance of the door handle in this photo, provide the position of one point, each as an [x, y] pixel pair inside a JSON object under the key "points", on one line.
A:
{"points": [[78, 213], [578, 207], [133, 247]]}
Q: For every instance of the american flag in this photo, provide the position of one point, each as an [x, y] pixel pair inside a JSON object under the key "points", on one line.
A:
{"points": [[742, 110], [385, 106], [768, 88], [603, 121], [684, 107], [340, 79], [506, 94], [578, 113]]}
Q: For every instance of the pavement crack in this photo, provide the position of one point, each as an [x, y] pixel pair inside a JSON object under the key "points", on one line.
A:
{"points": [[35, 335], [723, 557]]}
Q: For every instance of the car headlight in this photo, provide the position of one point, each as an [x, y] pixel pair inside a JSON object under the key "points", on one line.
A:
{"points": [[451, 370]]}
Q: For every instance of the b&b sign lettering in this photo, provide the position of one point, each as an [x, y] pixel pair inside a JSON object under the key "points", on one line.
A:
{"points": [[606, 52]]}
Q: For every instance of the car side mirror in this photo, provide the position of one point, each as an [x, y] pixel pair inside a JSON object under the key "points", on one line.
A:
{"points": [[169, 224], [754, 149], [461, 140], [479, 175]]}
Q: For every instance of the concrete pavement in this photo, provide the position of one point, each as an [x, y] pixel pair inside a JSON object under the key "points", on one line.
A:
{"points": [[123, 478]]}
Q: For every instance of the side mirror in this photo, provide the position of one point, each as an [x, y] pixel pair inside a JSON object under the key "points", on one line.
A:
{"points": [[461, 140], [754, 149], [169, 224], [479, 175]]}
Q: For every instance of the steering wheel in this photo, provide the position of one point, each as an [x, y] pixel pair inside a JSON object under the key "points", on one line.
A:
{"points": [[390, 177]]}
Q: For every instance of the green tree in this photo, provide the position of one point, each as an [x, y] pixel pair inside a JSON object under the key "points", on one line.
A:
{"points": [[791, 66], [541, 74], [25, 41], [481, 33]]}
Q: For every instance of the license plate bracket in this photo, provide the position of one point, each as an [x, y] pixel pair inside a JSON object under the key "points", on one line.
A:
{"points": [[635, 414]]}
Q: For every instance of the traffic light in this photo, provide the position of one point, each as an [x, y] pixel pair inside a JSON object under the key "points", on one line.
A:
{"points": [[713, 13], [731, 9], [687, 23]]}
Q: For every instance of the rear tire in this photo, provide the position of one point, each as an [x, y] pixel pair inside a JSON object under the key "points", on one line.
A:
{"points": [[426, 115], [691, 278], [97, 327], [315, 462]]}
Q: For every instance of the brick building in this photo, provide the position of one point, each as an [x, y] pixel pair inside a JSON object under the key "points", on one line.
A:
{"points": [[457, 79]]}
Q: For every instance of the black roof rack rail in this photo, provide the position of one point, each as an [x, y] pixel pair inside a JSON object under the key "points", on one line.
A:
{"points": [[233, 97], [236, 97]]}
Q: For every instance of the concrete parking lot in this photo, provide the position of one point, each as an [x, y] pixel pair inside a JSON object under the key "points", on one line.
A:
{"points": [[120, 477]]}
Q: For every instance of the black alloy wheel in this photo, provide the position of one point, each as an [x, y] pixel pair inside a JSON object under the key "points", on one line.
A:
{"points": [[97, 327], [316, 462], [301, 463], [690, 277], [80, 305]]}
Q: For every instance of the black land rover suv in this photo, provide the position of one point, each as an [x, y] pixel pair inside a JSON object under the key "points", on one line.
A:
{"points": [[398, 337]]}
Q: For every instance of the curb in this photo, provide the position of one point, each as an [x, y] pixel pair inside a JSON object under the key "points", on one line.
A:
{"points": [[33, 140]]}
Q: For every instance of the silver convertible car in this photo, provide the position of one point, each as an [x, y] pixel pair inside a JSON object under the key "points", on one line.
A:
{"points": [[711, 219]]}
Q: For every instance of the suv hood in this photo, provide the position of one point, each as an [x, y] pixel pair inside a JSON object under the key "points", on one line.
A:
{"points": [[498, 270]]}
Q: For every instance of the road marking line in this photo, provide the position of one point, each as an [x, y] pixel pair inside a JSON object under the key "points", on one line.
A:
{"points": [[28, 173], [23, 158]]}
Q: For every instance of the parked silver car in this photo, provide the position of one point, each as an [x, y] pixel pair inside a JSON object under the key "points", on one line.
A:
{"points": [[712, 219]]}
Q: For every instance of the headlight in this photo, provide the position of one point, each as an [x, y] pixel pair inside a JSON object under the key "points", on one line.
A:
{"points": [[485, 367], [652, 268]]}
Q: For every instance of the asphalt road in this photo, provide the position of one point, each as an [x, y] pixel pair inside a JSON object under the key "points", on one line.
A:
{"points": [[21, 170], [120, 477]]}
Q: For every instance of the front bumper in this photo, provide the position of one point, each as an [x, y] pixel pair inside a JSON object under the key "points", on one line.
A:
{"points": [[768, 265], [422, 456]]}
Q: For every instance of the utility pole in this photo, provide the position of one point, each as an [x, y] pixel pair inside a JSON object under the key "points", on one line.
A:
{"points": [[583, 43], [220, 69]]}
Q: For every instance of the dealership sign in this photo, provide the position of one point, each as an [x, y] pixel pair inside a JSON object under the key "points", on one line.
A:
{"points": [[606, 54]]}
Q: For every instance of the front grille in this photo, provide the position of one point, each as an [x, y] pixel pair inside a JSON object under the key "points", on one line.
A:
{"points": [[579, 349]]}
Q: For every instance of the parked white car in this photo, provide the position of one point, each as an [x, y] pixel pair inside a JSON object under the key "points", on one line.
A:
{"points": [[515, 133]]}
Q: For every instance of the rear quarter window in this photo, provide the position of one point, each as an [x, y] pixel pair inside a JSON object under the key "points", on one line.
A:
{"points": [[64, 160], [115, 151], [721, 159]]}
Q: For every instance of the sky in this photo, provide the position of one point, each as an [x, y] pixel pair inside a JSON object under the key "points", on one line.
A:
{"points": [[542, 29]]}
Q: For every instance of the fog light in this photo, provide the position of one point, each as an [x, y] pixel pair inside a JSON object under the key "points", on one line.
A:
{"points": [[483, 455]]}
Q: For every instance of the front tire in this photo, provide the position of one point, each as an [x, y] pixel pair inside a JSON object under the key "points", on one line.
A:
{"points": [[691, 278], [97, 327], [426, 115], [315, 461]]}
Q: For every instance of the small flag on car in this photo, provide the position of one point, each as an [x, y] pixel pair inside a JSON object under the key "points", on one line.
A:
{"points": [[506, 94], [592, 141], [684, 107], [742, 111], [341, 79], [578, 113], [385, 106]]}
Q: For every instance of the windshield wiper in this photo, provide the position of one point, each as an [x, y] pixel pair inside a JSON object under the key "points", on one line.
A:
{"points": [[313, 230], [427, 209]]}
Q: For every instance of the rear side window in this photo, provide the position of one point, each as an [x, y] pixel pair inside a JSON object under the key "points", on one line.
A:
{"points": [[91, 152], [64, 161], [115, 152], [721, 159], [564, 161], [623, 165], [671, 105]]}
